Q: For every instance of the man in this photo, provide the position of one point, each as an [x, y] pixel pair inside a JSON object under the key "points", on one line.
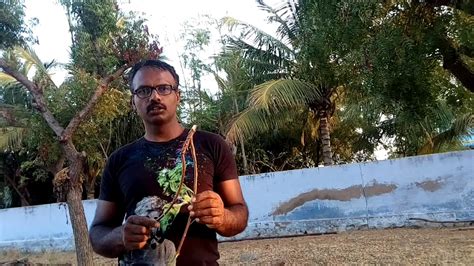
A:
{"points": [[132, 171]]}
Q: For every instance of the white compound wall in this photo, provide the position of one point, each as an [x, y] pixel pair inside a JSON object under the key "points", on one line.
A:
{"points": [[383, 194]]}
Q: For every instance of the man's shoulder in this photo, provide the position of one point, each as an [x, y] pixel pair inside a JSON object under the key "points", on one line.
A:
{"points": [[209, 136], [214, 143], [127, 148]]}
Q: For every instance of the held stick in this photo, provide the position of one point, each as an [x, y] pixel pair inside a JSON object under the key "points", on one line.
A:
{"points": [[195, 184], [189, 139]]}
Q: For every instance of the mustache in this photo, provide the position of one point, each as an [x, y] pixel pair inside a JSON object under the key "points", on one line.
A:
{"points": [[155, 105]]}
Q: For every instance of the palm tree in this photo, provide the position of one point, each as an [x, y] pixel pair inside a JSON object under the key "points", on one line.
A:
{"points": [[15, 113], [233, 91], [15, 103], [286, 85], [448, 133]]}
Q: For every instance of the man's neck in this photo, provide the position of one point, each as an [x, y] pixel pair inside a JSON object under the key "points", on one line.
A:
{"points": [[163, 133]]}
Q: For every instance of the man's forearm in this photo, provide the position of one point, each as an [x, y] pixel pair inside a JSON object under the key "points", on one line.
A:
{"points": [[107, 241], [235, 220]]}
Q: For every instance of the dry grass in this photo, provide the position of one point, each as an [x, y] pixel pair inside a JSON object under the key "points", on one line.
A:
{"points": [[394, 246]]}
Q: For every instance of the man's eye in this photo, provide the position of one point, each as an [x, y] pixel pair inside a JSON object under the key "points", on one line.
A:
{"points": [[163, 88], [144, 90]]}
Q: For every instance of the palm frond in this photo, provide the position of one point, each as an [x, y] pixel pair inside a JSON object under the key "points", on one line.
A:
{"points": [[221, 83], [276, 15], [259, 38], [31, 60], [460, 127], [260, 61], [253, 121], [11, 138], [276, 95], [7, 80]]}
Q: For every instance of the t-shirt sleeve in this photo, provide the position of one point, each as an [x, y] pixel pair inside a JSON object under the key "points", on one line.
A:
{"points": [[225, 165], [109, 186]]}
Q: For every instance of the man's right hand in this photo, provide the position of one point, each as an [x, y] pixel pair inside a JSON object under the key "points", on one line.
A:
{"points": [[136, 231]]}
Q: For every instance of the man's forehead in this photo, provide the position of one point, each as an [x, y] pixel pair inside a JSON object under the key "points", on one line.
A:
{"points": [[153, 74]]}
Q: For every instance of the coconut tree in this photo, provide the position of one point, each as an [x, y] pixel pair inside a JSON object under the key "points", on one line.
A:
{"points": [[289, 82], [450, 137]]}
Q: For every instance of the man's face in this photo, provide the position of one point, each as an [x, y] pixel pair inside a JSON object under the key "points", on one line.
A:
{"points": [[156, 109]]}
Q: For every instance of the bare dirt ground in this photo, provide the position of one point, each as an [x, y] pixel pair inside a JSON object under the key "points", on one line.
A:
{"points": [[453, 246]]}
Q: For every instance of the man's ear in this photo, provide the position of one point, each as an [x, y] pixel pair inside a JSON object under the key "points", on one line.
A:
{"points": [[178, 95]]}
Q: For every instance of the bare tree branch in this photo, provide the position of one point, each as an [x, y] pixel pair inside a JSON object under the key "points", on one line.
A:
{"points": [[37, 93], [85, 112], [12, 183], [454, 64]]}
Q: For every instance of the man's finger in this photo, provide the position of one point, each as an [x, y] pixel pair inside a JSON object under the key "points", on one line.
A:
{"points": [[137, 229], [137, 238], [135, 245], [208, 194], [208, 220], [206, 212], [209, 203], [142, 220]]}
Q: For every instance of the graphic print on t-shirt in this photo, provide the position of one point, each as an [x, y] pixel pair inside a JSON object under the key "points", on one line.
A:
{"points": [[166, 170], [168, 177]]}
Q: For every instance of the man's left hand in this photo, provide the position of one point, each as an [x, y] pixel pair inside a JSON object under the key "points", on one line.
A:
{"points": [[207, 208]]}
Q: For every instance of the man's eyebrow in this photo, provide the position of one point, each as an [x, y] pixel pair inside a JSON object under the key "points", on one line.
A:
{"points": [[154, 86], [140, 87], [143, 86]]}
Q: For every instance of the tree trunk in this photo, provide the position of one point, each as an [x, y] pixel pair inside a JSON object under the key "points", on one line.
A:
{"points": [[318, 148], [241, 140], [78, 220], [325, 139], [244, 156], [453, 63], [74, 202]]}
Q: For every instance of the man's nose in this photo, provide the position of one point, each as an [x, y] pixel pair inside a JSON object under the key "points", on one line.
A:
{"points": [[155, 95]]}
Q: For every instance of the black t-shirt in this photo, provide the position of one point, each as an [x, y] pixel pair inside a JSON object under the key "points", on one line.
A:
{"points": [[131, 174]]}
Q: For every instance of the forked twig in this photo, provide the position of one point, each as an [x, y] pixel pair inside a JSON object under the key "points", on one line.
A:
{"points": [[195, 185], [189, 139], [187, 142]]}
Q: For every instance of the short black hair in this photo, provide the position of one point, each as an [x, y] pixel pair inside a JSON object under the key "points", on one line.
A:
{"points": [[152, 63]]}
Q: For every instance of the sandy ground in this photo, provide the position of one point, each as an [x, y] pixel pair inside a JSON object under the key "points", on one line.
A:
{"points": [[453, 246]]}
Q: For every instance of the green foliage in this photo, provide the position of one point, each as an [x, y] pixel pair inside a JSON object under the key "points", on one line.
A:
{"points": [[21, 172], [382, 71], [13, 29], [269, 104], [11, 138], [386, 61], [34, 170], [198, 105], [169, 180], [305, 84], [103, 39], [404, 75], [125, 129]]}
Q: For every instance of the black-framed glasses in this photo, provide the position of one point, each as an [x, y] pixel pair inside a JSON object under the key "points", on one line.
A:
{"points": [[146, 91]]}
